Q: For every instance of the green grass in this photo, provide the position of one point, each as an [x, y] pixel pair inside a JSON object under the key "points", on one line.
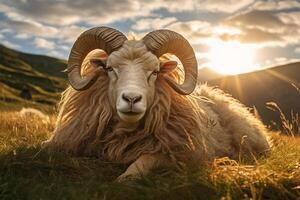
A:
{"points": [[40, 74], [27, 172]]}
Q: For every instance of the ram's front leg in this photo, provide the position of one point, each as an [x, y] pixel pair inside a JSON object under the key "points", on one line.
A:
{"points": [[142, 166]]}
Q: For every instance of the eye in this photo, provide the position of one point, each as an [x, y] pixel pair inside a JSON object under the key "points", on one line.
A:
{"points": [[109, 69], [155, 73]]}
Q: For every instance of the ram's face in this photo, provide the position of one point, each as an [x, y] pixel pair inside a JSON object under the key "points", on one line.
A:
{"points": [[132, 72]]}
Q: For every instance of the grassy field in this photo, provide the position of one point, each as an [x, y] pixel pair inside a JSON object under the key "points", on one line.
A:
{"points": [[26, 172]]}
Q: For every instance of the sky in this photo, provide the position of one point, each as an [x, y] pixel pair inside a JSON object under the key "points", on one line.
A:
{"points": [[256, 32]]}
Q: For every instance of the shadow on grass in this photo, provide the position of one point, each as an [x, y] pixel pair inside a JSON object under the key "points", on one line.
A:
{"points": [[30, 173]]}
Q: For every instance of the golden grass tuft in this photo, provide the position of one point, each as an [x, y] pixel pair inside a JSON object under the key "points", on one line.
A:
{"points": [[280, 170], [17, 130]]}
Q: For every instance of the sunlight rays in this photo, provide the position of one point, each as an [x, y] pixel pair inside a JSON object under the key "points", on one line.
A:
{"points": [[231, 57]]}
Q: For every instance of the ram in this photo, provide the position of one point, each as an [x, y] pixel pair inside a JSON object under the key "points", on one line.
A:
{"points": [[128, 105]]}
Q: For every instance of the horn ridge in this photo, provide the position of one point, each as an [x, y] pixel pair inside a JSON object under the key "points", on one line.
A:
{"points": [[164, 41], [105, 38]]}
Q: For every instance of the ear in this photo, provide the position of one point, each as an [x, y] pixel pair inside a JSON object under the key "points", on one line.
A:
{"points": [[167, 66], [98, 62], [98, 59]]}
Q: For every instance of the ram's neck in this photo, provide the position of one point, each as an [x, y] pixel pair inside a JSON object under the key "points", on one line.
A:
{"points": [[127, 127]]}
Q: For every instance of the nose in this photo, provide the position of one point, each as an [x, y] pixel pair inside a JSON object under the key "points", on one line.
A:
{"points": [[131, 97]]}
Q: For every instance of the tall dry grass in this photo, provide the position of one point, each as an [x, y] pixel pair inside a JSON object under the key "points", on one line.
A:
{"points": [[17, 130]]}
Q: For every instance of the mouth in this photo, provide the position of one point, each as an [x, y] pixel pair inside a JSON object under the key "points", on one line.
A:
{"points": [[130, 116], [131, 113]]}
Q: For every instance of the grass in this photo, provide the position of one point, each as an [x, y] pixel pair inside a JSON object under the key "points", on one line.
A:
{"points": [[26, 172]]}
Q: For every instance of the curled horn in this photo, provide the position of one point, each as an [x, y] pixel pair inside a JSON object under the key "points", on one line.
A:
{"points": [[105, 38], [165, 41]]}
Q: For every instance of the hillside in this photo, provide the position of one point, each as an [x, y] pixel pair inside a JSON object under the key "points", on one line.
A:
{"points": [[40, 75], [206, 74], [269, 85]]}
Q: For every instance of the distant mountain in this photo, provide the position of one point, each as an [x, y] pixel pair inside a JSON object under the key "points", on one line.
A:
{"points": [[205, 74], [35, 76], [269, 85]]}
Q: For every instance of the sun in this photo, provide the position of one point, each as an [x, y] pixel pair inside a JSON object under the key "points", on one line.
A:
{"points": [[231, 57]]}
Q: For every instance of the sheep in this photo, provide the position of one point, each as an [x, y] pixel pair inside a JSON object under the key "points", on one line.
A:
{"points": [[34, 113], [125, 104]]}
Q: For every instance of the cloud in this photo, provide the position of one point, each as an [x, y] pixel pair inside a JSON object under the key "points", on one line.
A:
{"points": [[215, 6], [56, 53], [100, 12], [22, 36], [276, 5], [195, 31], [73, 11], [65, 20], [29, 27], [10, 44], [26, 29], [173, 6], [264, 20], [68, 34], [198, 33], [265, 28], [292, 18], [147, 24], [226, 6], [44, 44], [255, 36], [280, 59]]}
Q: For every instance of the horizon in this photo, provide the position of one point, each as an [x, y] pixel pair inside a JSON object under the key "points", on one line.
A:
{"points": [[262, 33]]}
